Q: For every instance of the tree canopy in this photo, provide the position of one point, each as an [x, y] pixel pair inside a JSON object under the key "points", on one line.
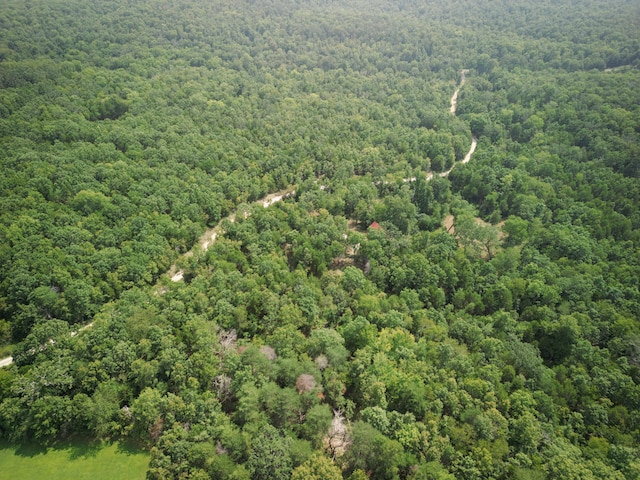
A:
{"points": [[190, 259]]}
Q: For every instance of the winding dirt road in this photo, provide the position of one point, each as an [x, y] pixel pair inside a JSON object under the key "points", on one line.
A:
{"points": [[5, 362], [209, 237], [206, 240], [467, 157], [454, 98], [454, 106], [474, 140]]}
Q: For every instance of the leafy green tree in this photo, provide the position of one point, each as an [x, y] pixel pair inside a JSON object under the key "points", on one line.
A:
{"points": [[269, 457], [147, 410], [318, 467], [432, 471], [51, 418], [316, 424], [371, 451]]}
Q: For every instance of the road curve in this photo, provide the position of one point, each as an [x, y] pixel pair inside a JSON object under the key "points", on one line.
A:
{"points": [[474, 140], [474, 144]]}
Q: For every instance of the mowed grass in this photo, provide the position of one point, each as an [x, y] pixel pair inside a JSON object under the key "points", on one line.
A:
{"points": [[73, 461]]}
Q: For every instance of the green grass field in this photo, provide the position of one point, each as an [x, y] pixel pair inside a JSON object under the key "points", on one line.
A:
{"points": [[77, 461]]}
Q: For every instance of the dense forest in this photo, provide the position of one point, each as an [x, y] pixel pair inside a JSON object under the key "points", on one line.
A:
{"points": [[394, 312]]}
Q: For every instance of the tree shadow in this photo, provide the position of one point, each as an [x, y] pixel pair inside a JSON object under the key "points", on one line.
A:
{"points": [[130, 447], [81, 448], [77, 448], [26, 449]]}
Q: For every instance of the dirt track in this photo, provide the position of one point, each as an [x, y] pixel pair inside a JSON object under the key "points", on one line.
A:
{"points": [[454, 98], [209, 237]]}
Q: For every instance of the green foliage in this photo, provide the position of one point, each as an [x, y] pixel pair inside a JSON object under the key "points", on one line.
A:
{"points": [[301, 342], [269, 457], [371, 451], [318, 467]]}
